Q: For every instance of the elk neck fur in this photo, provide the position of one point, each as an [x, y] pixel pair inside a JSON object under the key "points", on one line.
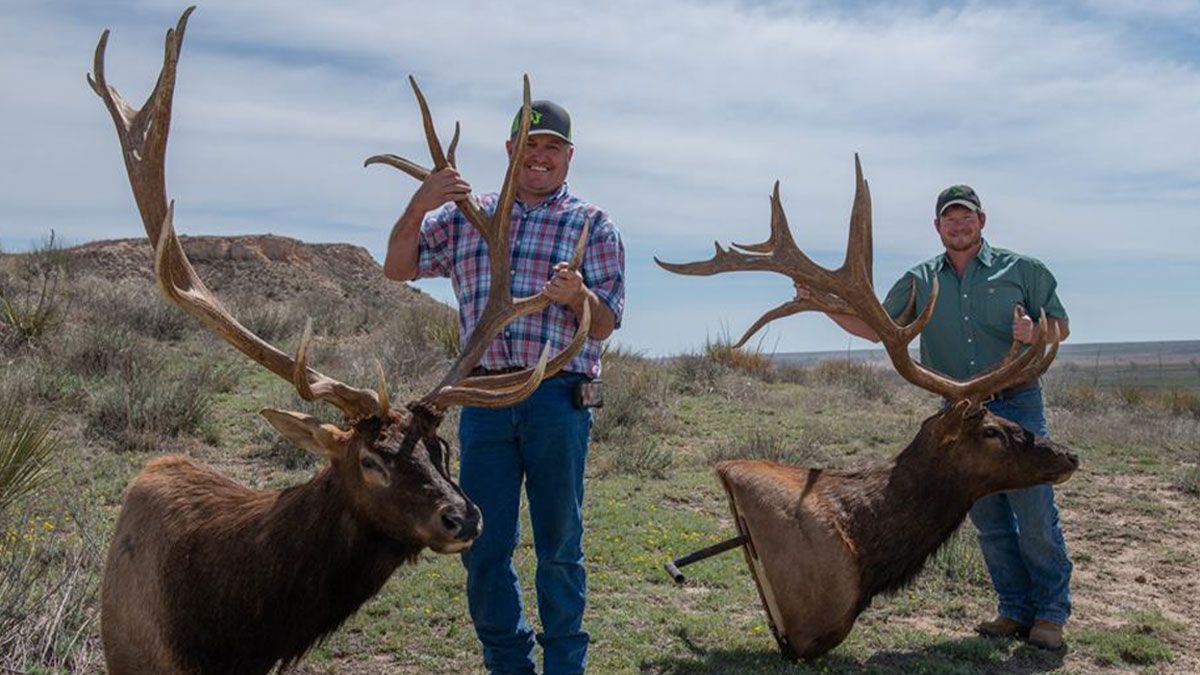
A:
{"points": [[286, 566], [900, 512]]}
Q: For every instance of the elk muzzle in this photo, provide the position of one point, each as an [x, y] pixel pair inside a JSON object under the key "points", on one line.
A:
{"points": [[455, 527], [1064, 461]]}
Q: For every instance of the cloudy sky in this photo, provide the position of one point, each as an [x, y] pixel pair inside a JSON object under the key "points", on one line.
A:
{"points": [[1077, 122]]}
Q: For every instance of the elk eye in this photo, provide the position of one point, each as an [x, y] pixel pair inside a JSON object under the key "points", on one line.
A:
{"points": [[370, 464], [991, 432]]}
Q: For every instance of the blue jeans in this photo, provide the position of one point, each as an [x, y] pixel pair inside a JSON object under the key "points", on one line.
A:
{"points": [[544, 441], [1020, 533]]}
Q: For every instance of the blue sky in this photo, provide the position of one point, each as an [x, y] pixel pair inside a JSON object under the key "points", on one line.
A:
{"points": [[1078, 123]]}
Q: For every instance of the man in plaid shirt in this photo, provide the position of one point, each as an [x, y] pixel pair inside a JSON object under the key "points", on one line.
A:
{"points": [[544, 439]]}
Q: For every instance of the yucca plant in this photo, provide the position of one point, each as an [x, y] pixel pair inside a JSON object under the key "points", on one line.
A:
{"points": [[25, 446]]}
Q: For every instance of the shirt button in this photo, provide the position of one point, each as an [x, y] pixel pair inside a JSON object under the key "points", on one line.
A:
{"points": [[966, 318], [964, 295], [972, 363], [968, 339]]}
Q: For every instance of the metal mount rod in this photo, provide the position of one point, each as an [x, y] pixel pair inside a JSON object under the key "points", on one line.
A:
{"points": [[673, 566]]}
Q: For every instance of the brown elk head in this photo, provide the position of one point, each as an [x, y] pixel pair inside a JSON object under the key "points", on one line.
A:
{"points": [[987, 452], [394, 467]]}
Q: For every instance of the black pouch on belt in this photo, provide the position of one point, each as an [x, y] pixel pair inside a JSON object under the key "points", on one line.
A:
{"points": [[589, 394]]}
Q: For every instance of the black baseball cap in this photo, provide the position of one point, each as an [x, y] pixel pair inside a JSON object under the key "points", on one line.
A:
{"points": [[546, 117], [962, 195]]}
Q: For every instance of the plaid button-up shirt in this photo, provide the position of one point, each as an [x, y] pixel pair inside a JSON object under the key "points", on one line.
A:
{"points": [[540, 237]]}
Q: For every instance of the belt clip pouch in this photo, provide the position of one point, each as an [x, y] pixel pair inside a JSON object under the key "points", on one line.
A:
{"points": [[589, 394]]}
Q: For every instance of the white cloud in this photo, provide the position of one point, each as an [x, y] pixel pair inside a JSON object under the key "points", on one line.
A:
{"points": [[1077, 127]]}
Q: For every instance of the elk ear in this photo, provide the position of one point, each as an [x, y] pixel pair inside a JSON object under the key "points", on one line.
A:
{"points": [[306, 431], [953, 420]]}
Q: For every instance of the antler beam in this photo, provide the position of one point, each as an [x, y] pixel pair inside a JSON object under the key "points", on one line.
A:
{"points": [[143, 135]]}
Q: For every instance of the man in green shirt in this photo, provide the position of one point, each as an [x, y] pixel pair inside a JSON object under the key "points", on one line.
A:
{"points": [[986, 299]]}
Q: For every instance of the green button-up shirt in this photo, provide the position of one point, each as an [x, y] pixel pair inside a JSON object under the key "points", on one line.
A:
{"points": [[971, 327]]}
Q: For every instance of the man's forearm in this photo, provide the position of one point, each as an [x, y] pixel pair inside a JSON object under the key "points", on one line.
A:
{"points": [[855, 326], [403, 251], [1064, 328], [603, 321]]}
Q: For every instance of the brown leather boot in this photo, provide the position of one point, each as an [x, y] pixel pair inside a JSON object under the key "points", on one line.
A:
{"points": [[1003, 627], [1046, 635]]}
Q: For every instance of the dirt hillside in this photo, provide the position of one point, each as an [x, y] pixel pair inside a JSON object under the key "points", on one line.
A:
{"points": [[269, 267]]}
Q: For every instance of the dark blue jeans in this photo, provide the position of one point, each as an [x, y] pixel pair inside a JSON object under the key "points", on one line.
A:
{"points": [[1021, 536], [542, 441]]}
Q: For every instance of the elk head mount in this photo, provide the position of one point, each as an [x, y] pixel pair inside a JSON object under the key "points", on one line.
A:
{"points": [[821, 543], [206, 576]]}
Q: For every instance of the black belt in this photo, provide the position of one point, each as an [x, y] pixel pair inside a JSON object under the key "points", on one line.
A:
{"points": [[480, 371], [1013, 392]]}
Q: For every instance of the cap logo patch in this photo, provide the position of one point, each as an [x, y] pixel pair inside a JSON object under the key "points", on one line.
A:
{"points": [[535, 117]]}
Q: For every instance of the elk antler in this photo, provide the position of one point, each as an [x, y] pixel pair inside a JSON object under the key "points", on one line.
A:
{"points": [[456, 387], [850, 290], [143, 135]]}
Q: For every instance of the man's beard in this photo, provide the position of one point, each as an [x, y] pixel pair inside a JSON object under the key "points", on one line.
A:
{"points": [[960, 244]]}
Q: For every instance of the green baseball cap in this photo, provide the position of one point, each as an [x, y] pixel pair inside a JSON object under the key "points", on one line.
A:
{"points": [[546, 117], [962, 195]]}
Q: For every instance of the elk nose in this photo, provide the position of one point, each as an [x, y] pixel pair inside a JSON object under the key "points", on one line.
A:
{"points": [[462, 526]]}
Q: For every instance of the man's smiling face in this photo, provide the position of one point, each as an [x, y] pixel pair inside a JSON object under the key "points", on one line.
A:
{"points": [[544, 169]]}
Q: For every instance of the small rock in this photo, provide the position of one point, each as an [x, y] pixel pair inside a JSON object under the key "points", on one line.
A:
{"points": [[1141, 578]]}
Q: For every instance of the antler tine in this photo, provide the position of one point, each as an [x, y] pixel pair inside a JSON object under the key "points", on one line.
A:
{"points": [[143, 136], [453, 146], [502, 216], [435, 146], [469, 207]]}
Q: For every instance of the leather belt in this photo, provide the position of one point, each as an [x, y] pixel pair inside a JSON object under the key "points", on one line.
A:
{"points": [[1013, 392], [480, 371]]}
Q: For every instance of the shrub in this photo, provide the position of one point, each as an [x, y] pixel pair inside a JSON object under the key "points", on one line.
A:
{"points": [[271, 321], [136, 309], [642, 457], [1082, 398], [414, 343], [1133, 395], [146, 401], [333, 314], [1184, 403], [97, 352], [696, 374], [635, 391], [752, 361], [25, 445], [858, 376], [770, 446], [789, 373], [32, 299], [1188, 479]]}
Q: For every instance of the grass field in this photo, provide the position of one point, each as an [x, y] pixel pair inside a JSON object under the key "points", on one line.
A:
{"points": [[120, 379]]}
